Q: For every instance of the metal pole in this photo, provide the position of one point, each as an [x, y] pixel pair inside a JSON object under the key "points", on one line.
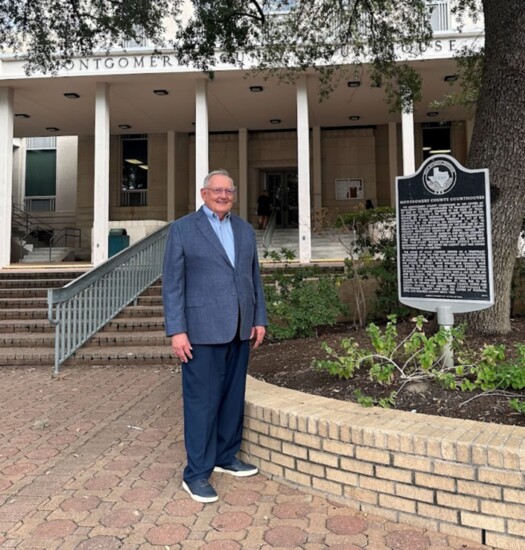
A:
{"points": [[445, 318]]}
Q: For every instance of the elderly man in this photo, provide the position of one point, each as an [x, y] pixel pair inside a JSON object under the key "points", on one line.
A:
{"points": [[214, 305]]}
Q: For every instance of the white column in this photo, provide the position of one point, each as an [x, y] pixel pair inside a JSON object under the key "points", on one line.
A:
{"points": [[243, 173], [99, 251], [317, 167], [407, 127], [6, 173], [303, 167], [202, 159], [170, 176], [392, 161], [19, 167]]}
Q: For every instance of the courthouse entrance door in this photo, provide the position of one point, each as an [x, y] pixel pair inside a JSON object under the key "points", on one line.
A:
{"points": [[282, 186]]}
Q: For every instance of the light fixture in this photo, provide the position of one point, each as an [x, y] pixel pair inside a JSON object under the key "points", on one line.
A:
{"points": [[427, 148], [143, 166], [256, 89], [433, 113], [134, 161], [354, 117], [71, 95], [451, 78], [439, 151], [275, 121], [52, 129], [354, 83], [160, 92], [22, 115], [124, 126]]}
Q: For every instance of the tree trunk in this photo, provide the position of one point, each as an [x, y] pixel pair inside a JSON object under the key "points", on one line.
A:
{"points": [[498, 143]]}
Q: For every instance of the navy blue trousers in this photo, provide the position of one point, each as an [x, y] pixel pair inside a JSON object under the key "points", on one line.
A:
{"points": [[213, 386]]}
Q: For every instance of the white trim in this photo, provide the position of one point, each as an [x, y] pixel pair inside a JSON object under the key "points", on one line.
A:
{"points": [[202, 158], [6, 173], [99, 251], [243, 173], [303, 170], [407, 125], [170, 175]]}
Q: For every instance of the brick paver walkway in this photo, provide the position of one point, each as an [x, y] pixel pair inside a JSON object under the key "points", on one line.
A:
{"points": [[93, 460]]}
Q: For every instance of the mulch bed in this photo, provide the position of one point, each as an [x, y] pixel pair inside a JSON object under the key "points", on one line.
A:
{"points": [[289, 364]]}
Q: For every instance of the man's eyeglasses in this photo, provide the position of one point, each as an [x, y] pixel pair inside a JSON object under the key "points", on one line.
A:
{"points": [[216, 191]]}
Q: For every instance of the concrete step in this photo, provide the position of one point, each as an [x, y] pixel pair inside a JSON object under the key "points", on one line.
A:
{"points": [[154, 300], [33, 283], [132, 338], [139, 311], [27, 357], [69, 271], [33, 326], [128, 324], [23, 303], [28, 340], [26, 313], [42, 255], [127, 355], [16, 293], [135, 337]]}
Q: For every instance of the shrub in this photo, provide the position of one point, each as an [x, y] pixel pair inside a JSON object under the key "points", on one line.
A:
{"points": [[415, 357], [391, 359], [300, 300], [374, 256]]}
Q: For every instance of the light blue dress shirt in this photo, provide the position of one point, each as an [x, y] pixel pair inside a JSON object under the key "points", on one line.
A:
{"points": [[223, 230]]}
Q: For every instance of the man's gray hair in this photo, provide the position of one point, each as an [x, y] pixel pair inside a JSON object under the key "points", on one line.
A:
{"points": [[220, 172]]}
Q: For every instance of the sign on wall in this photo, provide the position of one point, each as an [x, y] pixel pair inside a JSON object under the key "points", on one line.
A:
{"points": [[444, 237], [347, 188]]}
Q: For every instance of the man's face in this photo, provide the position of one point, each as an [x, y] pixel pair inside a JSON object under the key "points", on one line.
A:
{"points": [[219, 195]]}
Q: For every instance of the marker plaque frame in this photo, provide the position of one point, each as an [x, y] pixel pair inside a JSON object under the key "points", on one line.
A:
{"points": [[444, 243]]}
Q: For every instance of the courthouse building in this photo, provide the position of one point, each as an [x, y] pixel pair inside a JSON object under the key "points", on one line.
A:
{"points": [[125, 138]]}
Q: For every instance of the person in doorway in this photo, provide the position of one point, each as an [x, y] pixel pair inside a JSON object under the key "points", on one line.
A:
{"points": [[264, 209], [214, 305]]}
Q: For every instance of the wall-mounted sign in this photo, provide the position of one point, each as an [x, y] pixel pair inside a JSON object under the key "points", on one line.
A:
{"points": [[346, 189]]}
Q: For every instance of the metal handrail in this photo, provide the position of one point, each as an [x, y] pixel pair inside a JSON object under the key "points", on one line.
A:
{"points": [[29, 222], [64, 234], [82, 307], [270, 228]]}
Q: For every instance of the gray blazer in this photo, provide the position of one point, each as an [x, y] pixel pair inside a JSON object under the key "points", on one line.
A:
{"points": [[203, 294]]}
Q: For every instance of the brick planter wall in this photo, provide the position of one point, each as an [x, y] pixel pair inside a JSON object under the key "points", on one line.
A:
{"points": [[459, 477]]}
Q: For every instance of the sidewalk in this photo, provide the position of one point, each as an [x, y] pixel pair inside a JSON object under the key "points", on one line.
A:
{"points": [[93, 460]]}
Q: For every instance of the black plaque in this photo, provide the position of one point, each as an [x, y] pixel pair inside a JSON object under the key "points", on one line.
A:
{"points": [[444, 236]]}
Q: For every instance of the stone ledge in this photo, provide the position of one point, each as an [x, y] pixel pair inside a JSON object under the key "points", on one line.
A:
{"points": [[459, 477]]}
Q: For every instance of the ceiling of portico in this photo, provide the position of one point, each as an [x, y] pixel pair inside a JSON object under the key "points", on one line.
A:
{"points": [[231, 104]]}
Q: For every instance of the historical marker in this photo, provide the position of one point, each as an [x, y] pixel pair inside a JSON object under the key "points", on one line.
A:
{"points": [[444, 238]]}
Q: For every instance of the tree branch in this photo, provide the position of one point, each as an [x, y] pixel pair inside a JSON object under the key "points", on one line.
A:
{"points": [[260, 17]]}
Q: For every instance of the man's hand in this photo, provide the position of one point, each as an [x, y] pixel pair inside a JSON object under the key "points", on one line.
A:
{"points": [[257, 333], [181, 346]]}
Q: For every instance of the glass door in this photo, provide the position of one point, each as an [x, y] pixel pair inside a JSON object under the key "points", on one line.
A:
{"points": [[282, 186]]}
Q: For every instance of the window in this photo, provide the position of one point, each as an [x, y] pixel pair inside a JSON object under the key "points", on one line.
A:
{"points": [[134, 183], [140, 41], [439, 16], [41, 170]]}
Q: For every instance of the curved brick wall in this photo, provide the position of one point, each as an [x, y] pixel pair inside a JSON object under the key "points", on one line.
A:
{"points": [[459, 477]]}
